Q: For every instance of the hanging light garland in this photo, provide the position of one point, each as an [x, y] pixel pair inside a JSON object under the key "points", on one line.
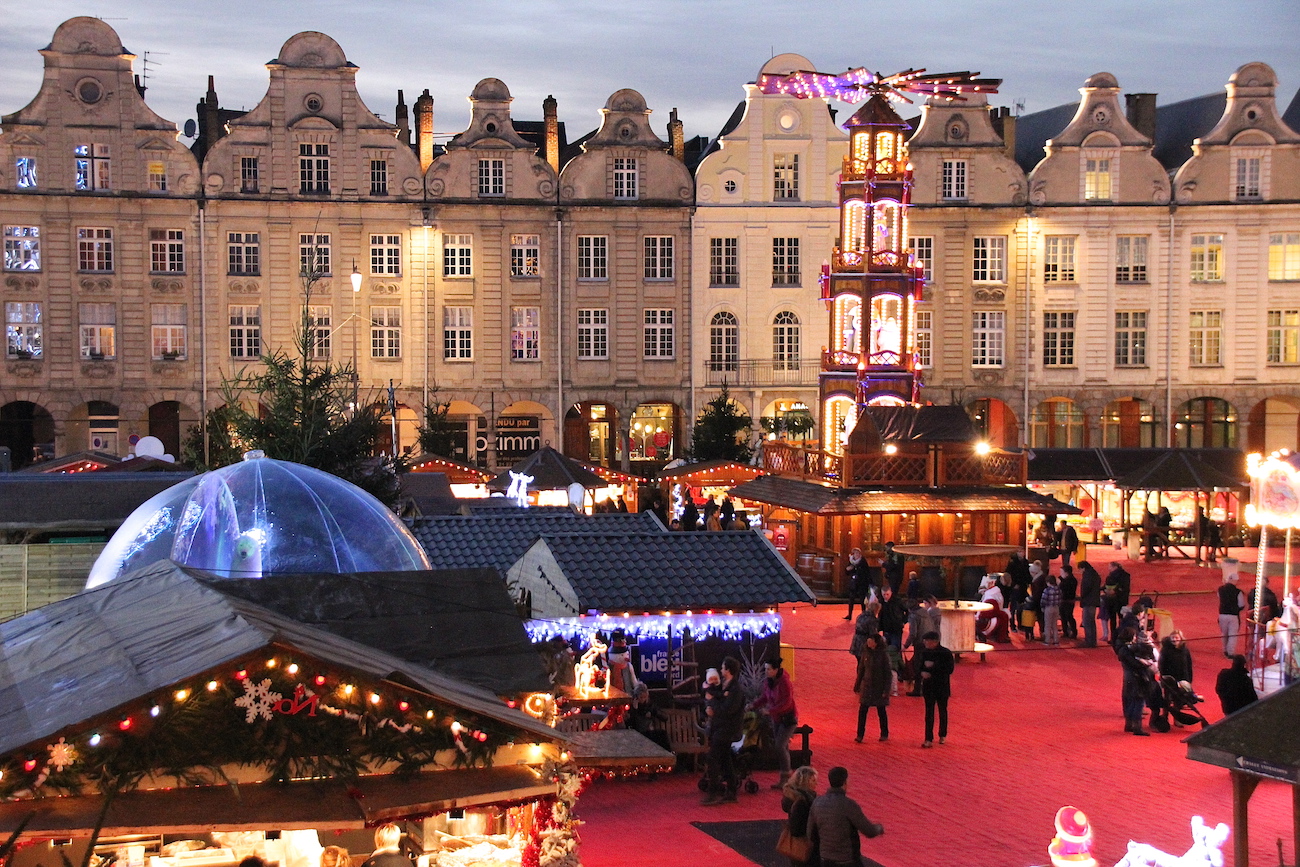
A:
{"points": [[728, 626], [288, 722]]}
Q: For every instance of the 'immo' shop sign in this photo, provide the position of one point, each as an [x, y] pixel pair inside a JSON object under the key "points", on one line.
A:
{"points": [[518, 436]]}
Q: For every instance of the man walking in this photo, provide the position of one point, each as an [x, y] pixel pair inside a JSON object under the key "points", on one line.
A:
{"points": [[726, 713], [935, 665], [1089, 600], [835, 822]]}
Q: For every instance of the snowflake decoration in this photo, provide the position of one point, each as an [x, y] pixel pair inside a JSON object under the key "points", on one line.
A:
{"points": [[62, 754], [258, 700]]}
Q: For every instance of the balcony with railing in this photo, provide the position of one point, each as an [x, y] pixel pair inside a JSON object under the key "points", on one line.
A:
{"points": [[903, 465], [762, 373]]}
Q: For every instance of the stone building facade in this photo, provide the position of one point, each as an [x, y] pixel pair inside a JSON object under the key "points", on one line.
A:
{"points": [[488, 274]]}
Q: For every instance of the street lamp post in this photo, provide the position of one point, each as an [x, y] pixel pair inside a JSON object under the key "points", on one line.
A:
{"points": [[356, 379]]}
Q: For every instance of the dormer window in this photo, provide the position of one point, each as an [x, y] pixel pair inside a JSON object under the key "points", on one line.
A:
{"points": [[93, 165], [954, 180], [1247, 182], [314, 169], [1097, 180], [491, 177], [625, 178]]}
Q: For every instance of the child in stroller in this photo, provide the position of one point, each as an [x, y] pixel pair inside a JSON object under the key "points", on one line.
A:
{"points": [[753, 738], [1181, 701]]}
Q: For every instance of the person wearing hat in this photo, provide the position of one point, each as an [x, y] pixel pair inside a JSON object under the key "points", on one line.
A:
{"points": [[935, 664]]}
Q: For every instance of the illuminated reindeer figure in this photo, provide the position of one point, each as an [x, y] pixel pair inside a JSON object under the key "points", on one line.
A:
{"points": [[1206, 851]]}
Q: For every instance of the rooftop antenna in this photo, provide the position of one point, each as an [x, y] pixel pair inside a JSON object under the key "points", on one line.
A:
{"points": [[144, 65]]}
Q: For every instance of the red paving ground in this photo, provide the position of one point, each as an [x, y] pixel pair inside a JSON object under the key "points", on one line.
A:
{"points": [[1033, 729]]}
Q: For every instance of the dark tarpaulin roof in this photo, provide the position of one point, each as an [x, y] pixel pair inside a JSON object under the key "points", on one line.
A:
{"points": [[662, 571], [933, 424], [1176, 470], [551, 471], [1261, 738], [823, 500], [428, 494], [460, 622], [302, 804], [1109, 464], [497, 538], [77, 501], [106, 648]]}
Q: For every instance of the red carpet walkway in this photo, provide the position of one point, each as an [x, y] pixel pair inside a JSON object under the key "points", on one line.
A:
{"points": [[1032, 729]]}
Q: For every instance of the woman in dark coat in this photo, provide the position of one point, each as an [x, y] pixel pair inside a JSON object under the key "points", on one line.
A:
{"points": [[796, 800], [893, 617], [1176, 663], [872, 685], [1234, 686], [1139, 677]]}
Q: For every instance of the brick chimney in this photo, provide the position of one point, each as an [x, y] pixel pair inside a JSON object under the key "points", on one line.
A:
{"points": [[676, 136], [424, 129], [403, 120], [1004, 124], [550, 114], [1140, 108]]}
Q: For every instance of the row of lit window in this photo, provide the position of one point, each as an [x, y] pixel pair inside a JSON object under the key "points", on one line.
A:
{"points": [[724, 262], [1206, 264], [1099, 182], [724, 341], [24, 328]]}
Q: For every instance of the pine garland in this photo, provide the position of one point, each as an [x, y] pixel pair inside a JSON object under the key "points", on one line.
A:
{"points": [[192, 738]]}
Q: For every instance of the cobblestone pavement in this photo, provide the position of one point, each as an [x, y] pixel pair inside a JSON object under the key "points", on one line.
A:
{"points": [[1032, 729]]}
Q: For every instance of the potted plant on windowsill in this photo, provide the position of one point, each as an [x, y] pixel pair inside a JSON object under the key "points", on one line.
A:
{"points": [[171, 355], [96, 356], [23, 354]]}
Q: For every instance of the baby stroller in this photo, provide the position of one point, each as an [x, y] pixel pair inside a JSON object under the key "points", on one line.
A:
{"points": [[753, 735], [1181, 702]]}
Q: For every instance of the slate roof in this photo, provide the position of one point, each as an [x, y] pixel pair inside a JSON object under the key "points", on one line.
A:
{"points": [[1033, 131], [824, 500], [677, 571], [923, 423], [1178, 124], [107, 648], [77, 501], [1258, 733], [496, 540], [1176, 470], [460, 622]]}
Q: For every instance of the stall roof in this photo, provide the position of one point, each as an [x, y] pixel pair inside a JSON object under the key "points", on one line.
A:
{"points": [[459, 473], [460, 622], [719, 469], [666, 571], [495, 540], [427, 493], [1108, 465], [551, 471], [77, 501], [825, 500], [1176, 470], [323, 804], [1260, 739], [74, 660]]}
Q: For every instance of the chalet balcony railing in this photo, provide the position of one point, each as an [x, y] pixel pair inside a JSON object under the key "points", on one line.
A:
{"points": [[762, 373], [942, 465]]}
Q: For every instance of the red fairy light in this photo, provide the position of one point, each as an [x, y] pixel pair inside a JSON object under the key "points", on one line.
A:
{"points": [[124, 724], [403, 706], [29, 765], [320, 680], [242, 674]]}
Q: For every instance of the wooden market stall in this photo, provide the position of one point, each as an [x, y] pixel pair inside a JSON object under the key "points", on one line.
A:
{"points": [[908, 474]]}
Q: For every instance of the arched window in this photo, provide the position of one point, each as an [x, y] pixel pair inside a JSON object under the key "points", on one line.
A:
{"points": [[1056, 423], [724, 342], [886, 227], [848, 325], [855, 226], [839, 415], [885, 156], [1206, 423], [785, 341], [1128, 423]]}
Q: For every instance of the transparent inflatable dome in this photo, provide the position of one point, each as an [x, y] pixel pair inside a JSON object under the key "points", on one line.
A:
{"points": [[258, 518]]}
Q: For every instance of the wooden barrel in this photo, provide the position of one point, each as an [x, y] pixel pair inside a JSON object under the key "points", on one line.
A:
{"points": [[822, 578], [804, 564]]}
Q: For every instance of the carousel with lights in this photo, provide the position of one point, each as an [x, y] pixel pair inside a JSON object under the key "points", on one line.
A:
{"points": [[888, 467], [1274, 647], [164, 717]]}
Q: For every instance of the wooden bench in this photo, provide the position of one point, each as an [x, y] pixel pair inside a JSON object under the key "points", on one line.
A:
{"points": [[684, 736]]}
